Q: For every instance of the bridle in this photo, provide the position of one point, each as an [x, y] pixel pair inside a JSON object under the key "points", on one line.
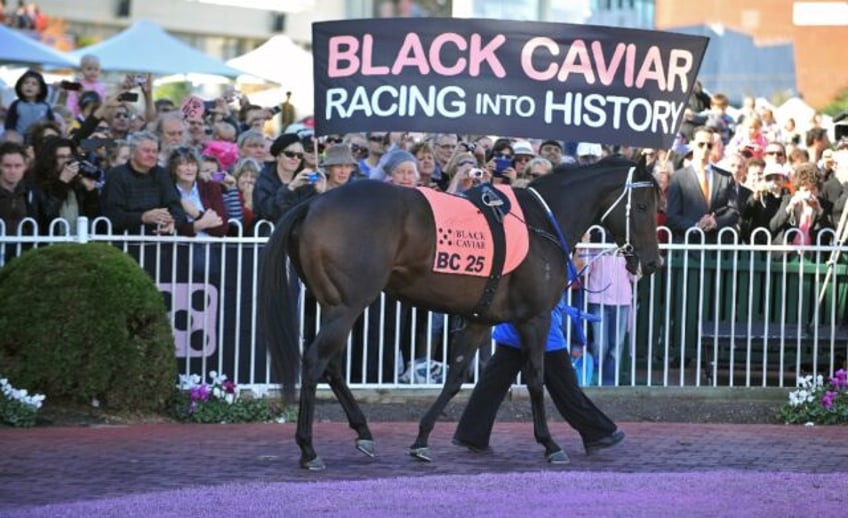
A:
{"points": [[626, 249]]}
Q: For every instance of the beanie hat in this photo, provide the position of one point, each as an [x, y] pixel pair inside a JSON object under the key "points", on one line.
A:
{"points": [[282, 142], [395, 158]]}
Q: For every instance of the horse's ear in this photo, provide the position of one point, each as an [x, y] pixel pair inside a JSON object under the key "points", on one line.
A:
{"points": [[642, 164]]}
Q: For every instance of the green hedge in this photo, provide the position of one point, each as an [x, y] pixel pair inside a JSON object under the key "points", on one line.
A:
{"points": [[85, 321]]}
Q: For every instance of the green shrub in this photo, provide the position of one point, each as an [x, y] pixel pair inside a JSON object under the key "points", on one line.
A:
{"points": [[85, 321]]}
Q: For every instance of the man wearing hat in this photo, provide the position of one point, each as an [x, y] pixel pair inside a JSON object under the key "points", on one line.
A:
{"points": [[552, 150]]}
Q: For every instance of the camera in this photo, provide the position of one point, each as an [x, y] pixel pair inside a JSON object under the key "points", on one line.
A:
{"points": [[87, 169], [476, 174], [470, 146], [70, 85], [128, 97], [314, 177]]}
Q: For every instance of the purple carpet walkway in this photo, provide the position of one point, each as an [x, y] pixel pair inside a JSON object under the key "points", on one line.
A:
{"points": [[661, 469]]}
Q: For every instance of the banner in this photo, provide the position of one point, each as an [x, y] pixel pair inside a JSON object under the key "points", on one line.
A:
{"points": [[528, 79]]}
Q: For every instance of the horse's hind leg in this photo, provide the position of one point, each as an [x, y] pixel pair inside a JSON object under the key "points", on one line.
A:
{"points": [[534, 335], [355, 417], [467, 344], [327, 343]]}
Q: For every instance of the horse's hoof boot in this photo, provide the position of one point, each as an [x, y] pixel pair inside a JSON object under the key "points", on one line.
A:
{"points": [[422, 454], [366, 446], [558, 457], [315, 464]]}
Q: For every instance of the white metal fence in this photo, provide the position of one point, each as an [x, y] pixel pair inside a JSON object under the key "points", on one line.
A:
{"points": [[715, 315]]}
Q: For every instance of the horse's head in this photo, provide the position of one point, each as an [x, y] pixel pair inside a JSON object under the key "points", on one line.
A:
{"points": [[630, 214]]}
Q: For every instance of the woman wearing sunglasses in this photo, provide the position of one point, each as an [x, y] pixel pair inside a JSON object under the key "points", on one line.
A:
{"points": [[280, 177]]}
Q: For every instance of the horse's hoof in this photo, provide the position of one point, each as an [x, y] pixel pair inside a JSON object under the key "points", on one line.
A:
{"points": [[315, 464], [422, 454], [366, 446], [558, 457]]}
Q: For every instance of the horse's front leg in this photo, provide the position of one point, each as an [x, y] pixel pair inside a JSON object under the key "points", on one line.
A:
{"points": [[467, 344], [534, 335], [355, 417]]}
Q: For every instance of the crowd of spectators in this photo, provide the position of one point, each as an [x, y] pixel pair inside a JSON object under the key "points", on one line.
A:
{"points": [[22, 15], [216, 168]]}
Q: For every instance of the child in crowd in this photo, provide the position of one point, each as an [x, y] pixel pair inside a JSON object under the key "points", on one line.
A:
{"points": [[90, 66], [31, 105]]}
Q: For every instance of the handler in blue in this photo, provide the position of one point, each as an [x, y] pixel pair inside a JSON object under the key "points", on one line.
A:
{"points": [[475, 426]]}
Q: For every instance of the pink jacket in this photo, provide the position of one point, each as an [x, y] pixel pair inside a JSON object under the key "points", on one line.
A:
{"points": [[607, 280]]}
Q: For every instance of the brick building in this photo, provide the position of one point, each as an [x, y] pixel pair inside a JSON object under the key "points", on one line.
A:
{"points": [[819, 48]]}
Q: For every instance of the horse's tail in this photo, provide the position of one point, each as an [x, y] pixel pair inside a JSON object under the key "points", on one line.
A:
{"points": [[277, 303]]}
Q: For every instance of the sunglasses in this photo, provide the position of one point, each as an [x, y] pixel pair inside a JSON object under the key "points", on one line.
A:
{"points": [[293, 154], [522, 158], [355, 148], [708, 145]]}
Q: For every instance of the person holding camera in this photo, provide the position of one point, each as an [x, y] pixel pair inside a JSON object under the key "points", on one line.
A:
{"points": [[278, 180], [767, 183], [802, 214], [465, 172], [67, 184]]}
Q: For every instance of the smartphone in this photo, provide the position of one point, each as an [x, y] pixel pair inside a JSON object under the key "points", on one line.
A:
{"points": [[219, 176], [276, 109], [128, 97], [70, 85], [502, 163], [140, 79]]}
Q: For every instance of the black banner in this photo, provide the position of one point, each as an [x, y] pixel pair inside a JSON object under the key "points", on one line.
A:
{"points": [[528, 79]]}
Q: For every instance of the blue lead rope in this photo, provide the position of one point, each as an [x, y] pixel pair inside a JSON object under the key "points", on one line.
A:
{"points": [[572, 310]]}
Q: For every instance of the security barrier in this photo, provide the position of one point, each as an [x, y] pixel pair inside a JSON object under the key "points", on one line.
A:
{"points": [[730, 314]]}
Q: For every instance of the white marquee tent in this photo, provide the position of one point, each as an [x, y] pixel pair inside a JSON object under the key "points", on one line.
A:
{"points": [[281, 61], [146, 47]]}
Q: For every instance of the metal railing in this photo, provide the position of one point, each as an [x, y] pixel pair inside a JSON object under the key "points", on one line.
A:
{"points": [[728, 314]]}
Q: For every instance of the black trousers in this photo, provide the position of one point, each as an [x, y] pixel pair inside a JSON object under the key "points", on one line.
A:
{"points": [[478, 418]]}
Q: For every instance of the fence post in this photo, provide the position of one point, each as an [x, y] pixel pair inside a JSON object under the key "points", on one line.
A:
{"points": [[82, 230]]}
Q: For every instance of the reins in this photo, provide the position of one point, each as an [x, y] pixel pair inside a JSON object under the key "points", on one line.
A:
{"points": [[625, 250]]}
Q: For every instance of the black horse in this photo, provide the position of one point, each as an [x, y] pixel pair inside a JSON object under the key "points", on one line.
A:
{"points": [[353, 242]]}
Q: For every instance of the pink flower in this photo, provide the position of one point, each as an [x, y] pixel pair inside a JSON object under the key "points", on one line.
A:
{"points": [[229, 387]]}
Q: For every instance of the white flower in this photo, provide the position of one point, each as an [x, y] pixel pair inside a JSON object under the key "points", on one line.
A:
{"points": [[230, 398]]}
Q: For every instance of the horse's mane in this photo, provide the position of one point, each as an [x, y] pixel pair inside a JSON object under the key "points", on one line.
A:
{"points": [[565, 174]]}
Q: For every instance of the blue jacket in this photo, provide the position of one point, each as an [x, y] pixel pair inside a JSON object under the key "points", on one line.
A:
{"points": [[506, 334]]}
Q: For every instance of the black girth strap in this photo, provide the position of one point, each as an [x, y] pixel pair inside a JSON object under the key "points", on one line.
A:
{"points": [[494, 207]]}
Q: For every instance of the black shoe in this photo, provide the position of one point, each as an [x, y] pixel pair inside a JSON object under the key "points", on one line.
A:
{"points": [[471, 447], [604, 442]]}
